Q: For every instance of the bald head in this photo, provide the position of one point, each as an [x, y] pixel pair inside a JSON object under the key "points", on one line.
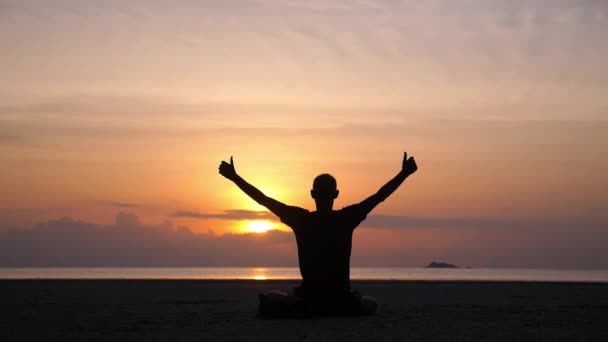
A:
{"points": [[325, 183], [324, 190]]}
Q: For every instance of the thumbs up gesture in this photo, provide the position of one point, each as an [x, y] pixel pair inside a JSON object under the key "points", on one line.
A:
{"points": [[409, 165], [227, 170]]}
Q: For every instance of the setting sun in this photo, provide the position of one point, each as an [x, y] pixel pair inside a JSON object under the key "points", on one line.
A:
{"points": [[258, 226]]}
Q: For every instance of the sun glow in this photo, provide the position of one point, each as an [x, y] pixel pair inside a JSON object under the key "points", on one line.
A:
{"points": [[259, 274], [258, 226]]}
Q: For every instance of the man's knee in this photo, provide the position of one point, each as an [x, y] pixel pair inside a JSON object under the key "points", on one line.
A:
{"points": [[279, 303], [368, 305]]}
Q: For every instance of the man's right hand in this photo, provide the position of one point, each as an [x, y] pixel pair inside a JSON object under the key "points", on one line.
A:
{"points": [[409, 165], [227, 170]]}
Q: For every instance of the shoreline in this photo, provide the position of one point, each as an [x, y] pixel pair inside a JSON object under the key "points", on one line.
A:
{"points": [[297, 281], [266, 274]]}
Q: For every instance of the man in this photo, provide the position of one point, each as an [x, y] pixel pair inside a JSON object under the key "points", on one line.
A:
{"points": [[324, 240]]}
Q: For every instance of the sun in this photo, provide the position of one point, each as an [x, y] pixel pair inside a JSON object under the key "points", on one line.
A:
{"points": [[258, 226]]}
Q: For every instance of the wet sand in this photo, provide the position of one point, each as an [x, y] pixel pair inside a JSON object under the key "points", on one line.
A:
{"points": [[191, 310]]}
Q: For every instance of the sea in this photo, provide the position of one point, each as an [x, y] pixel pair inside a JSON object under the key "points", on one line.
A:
{"points": [[286, 273]]}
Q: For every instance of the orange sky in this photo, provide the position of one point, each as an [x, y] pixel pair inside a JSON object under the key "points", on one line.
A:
{"points": [[112, 106]]}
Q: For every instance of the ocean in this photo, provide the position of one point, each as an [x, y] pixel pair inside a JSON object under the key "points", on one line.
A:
{"points": [[275, 273]]}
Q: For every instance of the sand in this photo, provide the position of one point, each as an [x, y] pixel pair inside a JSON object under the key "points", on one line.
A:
{"points": [[190, 310]]}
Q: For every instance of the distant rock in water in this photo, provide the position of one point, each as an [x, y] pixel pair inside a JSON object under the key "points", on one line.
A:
{"points": [[434, 264]]}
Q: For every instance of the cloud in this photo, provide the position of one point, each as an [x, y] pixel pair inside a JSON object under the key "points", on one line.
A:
{"points": [[116, 204], [395, 221], [227, 215], [8, 138], [128, 242], [405, 222], [23, 217]]}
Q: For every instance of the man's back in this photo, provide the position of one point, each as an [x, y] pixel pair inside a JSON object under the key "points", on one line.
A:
{"points": [[324, 242]]}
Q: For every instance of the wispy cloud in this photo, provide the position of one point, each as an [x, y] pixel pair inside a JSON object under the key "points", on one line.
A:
{"points": [[407, 222], [226, 215], [508, 51], [28, 210], [509, 224], [6, 138], [116, 204]]}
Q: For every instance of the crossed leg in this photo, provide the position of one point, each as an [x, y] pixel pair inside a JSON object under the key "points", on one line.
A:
{"points": [[279, 303]]}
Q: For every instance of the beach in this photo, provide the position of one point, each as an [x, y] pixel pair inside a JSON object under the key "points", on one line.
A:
{"points": [[225, 310]]}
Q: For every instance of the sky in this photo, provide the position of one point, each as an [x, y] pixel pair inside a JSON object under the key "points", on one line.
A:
{"points": [[114, 117]]}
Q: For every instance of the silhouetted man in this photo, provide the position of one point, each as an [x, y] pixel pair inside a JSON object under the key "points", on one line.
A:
{"points": [[324, 239]]}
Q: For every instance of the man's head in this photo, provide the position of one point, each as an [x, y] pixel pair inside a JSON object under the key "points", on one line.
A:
{"points": [[324, 191]]}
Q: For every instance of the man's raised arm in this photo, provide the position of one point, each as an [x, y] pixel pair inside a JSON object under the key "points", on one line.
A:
{"points": [[227, 170], [408, 167]]}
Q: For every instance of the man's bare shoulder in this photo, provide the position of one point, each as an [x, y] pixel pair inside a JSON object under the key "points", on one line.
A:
{"points": [[352, 207]]}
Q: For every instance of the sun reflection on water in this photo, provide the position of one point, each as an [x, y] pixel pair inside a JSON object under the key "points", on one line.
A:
{"points": [[260, 274]]}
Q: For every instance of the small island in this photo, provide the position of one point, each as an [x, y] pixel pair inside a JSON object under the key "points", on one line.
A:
{"points": [[434, 264]]}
